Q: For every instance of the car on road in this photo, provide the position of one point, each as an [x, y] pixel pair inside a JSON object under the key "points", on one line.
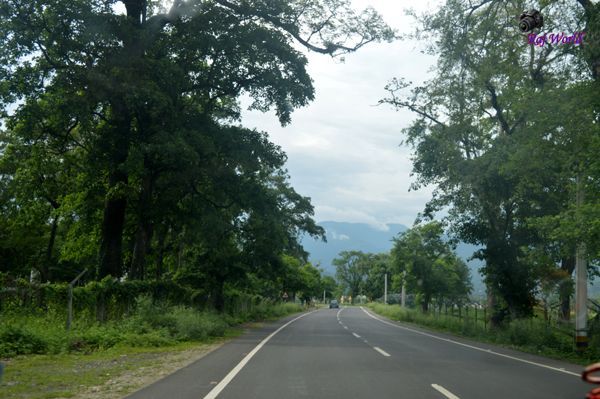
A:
{"points": [[333, 304]]}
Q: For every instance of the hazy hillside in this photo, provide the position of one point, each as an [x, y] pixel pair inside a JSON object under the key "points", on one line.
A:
{"points": [[343, 236]]}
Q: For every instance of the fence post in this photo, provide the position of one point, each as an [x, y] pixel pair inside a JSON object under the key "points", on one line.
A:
{"points": [[70, 299]]}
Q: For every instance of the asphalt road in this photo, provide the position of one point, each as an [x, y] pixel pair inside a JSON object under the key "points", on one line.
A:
{"points": [[351, 353]]}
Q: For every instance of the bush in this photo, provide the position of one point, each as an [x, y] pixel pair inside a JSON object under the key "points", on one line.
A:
{"points": [[17, 340], [151, 323], [149, 316], [94, 338], [196, 326]]}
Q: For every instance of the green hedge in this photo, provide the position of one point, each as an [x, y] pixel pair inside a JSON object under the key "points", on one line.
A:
{"points": [[106, 299]]}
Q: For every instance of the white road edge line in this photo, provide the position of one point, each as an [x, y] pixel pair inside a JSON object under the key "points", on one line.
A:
{"points": [[444, 391], [229, 377], [472, 347], [384, 353], [356, 335]]}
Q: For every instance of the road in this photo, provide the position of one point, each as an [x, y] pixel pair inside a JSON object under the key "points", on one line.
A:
{"points": [[352, 353]]}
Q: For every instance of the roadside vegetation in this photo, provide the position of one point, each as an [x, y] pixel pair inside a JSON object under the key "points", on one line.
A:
{"points": [[507, 135], [42, 360], [149, 325], [532, 335], [126, 174], [438, 296]]}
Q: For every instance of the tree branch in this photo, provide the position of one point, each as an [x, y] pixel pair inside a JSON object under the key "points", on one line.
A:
{"points": [[330, 48], [396, 102], [498, 108]]}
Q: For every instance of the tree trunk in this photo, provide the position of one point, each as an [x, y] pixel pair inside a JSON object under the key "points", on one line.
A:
{"points": [[219, 297], [425, 304], [112, 231], [565, 289], [144, 231], [117, 146], [47, 271], [162, 236], [116, 203], [491, 305]]}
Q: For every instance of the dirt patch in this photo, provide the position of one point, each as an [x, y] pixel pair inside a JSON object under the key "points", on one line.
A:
{"points": [[141, 370]]}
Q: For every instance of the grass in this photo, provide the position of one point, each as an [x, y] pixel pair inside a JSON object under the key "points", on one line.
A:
{"points": [[529, 335], [43, 361], [66, 375]]}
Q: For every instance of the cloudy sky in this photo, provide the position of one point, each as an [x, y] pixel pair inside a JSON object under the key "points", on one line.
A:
{"points": [[343, 150]]}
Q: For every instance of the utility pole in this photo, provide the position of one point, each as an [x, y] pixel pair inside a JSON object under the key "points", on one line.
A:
{"points": [[403, 295], [324, 296], [581, 339], [385, 288]]}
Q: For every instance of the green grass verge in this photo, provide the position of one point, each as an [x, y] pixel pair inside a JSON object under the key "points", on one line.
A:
{"points": [[528, 335], [43, 361], [67, 375]]}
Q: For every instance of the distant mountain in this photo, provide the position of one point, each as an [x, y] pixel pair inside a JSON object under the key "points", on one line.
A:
{"points": [[342, 236]]}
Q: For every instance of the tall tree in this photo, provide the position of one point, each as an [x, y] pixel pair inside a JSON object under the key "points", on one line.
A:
{"points": [[351, 271], [429, 267], [480, 123], [128, 82]]}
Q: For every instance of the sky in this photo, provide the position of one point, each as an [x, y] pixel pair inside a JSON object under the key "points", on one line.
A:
{"points": [[343, 150]]}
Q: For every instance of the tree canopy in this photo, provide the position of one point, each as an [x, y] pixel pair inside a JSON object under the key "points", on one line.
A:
{"points": [[503, 131], [121, 147]]}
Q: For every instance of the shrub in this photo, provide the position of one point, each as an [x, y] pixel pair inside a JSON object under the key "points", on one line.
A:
{"points": [[94, 338], [193, 325], [17, 340], [149, 316]]}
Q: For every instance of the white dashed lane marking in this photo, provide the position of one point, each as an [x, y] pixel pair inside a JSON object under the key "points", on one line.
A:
{"points": [[444, 391]]}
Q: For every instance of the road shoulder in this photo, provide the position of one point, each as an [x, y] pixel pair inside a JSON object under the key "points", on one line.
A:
{"points": [[483, 346]]}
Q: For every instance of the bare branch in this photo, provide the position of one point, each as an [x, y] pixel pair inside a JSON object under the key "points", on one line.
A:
{"points": [[396, 102]]}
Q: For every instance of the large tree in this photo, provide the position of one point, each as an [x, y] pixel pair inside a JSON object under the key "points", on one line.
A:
{"points": [[492, 137], [127, 85], [424, 260], [351, 268]]}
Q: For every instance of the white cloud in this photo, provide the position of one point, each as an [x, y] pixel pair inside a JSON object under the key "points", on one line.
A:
{"points": [[343, 151]]}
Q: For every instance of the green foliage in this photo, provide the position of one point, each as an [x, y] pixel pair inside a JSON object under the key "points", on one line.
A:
{"points": [[351, 271], [18, 340], [532, 335], [119, 150], [117, 298], [151, 324], [379, 265], [502, 131], [426, 263]]}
